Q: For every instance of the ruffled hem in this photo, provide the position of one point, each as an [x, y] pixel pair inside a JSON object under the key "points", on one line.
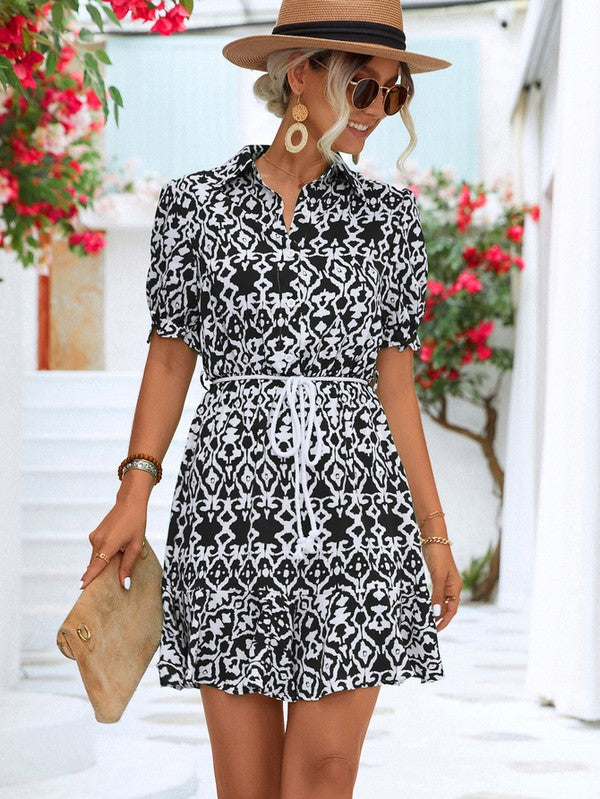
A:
{"points": [[241, 688]]}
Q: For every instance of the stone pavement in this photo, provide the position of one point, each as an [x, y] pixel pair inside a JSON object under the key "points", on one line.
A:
{"points": [[473, 734]]}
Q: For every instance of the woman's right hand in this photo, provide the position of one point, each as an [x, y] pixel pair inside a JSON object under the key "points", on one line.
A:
{"points": [[122, 529]]}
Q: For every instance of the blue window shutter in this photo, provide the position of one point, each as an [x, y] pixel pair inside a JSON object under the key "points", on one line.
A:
{"points": [[172, 88]]}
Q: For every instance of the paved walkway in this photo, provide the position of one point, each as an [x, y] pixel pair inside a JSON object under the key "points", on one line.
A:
{"points": [[472, 735]]}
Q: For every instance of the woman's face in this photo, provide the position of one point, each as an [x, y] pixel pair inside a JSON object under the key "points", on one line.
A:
{"points": [[321, 116]]}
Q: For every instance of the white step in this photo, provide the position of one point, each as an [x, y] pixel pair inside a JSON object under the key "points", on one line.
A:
{"points": [[42, 737], [90, 389], [78, 451], [52, 586], [40, 625], [80, 516], [50, 551], [86, 484], [75, 432], [40, 421], [120, 767]]}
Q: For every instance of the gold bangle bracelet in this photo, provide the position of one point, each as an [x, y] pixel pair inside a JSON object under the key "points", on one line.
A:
{"points": [[431, 516]]}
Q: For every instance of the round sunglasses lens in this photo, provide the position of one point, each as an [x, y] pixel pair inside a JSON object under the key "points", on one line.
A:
{"points": [[395, 99], [365, 93]]}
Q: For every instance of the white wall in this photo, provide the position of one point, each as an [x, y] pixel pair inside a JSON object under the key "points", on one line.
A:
{"points": [[499, 48], [10, 475]]}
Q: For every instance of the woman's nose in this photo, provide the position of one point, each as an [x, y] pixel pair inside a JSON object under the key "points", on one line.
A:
{"points": [[378, 107]]}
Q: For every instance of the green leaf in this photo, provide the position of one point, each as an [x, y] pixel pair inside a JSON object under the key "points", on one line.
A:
{"points": [[50, 62], [102, 55], [95, 15], [111, 15], [86, 35], [116, 95], [7, 74], [57, 16]]}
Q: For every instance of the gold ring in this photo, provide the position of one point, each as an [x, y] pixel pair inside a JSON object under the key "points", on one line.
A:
{"points": [[103, 556], [450, 599]]}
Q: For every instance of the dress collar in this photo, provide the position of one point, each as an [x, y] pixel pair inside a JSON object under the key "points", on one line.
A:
{"points": [[243, 161]]}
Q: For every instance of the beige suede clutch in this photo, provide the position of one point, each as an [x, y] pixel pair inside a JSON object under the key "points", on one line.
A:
{"points": [[113, 633]]}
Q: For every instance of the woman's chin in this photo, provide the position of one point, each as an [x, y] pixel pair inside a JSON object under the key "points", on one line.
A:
{"points": [[351, 147]]}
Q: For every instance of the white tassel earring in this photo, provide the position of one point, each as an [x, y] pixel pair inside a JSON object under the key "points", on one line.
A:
{"points": [[300, 113]]}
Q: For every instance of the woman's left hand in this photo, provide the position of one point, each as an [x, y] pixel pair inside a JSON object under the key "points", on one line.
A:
{"points": [[446, 582]]}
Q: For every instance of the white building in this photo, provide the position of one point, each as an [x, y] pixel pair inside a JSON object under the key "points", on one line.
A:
{"points": [[551, 520]]}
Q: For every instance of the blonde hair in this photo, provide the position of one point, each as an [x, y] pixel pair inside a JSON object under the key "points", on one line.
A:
{"points": [[274, 89]]}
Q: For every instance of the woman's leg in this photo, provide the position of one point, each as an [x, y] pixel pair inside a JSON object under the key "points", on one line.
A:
{"points": [[246, 736], [323, 741]]}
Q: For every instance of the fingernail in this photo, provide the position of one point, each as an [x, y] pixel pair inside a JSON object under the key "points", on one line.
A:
{"points": [[436, 609], [127, 583], [81, 584]]}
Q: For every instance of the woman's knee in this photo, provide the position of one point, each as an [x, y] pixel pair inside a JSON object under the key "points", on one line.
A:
{"points": [[334, 771]]}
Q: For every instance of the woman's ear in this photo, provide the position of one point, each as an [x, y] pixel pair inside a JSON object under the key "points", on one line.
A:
{"points": [[296, 76]]}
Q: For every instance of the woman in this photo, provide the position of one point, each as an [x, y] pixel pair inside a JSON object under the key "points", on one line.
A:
{"points": [[293, 566]]}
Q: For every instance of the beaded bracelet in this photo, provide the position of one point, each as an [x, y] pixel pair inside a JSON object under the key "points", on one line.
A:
{"points": [[138, 456]]}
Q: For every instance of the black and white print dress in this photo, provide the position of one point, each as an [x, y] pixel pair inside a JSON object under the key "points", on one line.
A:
{"points": [[293, 565]]}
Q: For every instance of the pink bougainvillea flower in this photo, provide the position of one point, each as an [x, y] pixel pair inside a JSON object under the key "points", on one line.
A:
{"points": [[515, 233], [478, 335], [466, 206], [426, 351], [414, 188], [435, 287], [467, 280], [92, 241], [483, 352], [24, 69], [172, 21], [472, 257], [497, 259]]}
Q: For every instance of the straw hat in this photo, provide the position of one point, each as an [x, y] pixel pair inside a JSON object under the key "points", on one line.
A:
{"points": [[370, 27]]}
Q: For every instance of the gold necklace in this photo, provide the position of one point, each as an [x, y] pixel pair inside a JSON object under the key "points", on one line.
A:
{"points": [[299, 182]]}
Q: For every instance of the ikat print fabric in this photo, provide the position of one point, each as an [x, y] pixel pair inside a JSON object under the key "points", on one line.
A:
{"points": [[293, 565]]}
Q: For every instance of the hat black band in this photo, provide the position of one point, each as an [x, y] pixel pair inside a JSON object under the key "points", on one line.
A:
{"points": [[348, 31]]}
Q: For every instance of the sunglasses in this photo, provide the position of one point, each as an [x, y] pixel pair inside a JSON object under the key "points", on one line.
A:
{"points": [[366, 91]]}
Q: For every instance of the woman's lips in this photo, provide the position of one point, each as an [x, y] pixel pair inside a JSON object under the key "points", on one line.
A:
{"points": [[362, 134]]}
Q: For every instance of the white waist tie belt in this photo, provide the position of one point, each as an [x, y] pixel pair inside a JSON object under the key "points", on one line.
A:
{"points": [[302, 426]]}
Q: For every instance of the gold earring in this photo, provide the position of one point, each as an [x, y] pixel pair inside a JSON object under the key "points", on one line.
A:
{"points": [[355, 157], [300, 113]]}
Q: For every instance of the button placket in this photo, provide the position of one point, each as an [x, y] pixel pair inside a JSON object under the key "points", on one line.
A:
{"points": [[288, 256]]}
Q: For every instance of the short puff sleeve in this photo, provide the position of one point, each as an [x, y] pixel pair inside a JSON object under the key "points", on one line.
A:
{"points": [[404, 285], [172, 290]]}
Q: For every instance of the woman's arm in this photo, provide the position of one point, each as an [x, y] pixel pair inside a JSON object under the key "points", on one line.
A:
{"points": [[167, 374], [396, 391]]}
